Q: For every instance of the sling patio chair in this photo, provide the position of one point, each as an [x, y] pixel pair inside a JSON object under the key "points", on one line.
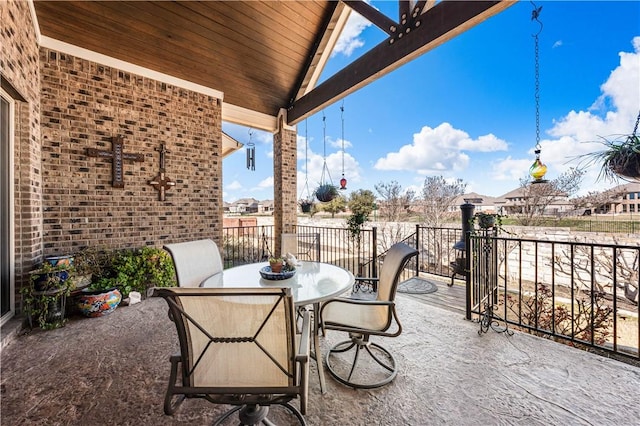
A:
{"points": [[362, 319], [238, 346], [195, 261]]}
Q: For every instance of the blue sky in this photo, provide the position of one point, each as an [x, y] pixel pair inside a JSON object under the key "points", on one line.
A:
{"points": [[466, 109]]}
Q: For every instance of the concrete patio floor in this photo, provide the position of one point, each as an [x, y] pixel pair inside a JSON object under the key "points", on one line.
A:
{"points": [[114, 370]]}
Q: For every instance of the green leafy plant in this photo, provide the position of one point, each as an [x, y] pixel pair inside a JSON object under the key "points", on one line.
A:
{"points": [[326, 192], [487, 221], [45, 295], [128, 269], [619, 158]]}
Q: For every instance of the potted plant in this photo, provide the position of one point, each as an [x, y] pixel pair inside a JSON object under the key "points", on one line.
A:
{"points": [[101, 298], [305, 205], [326, 192], [619, 158], [276, 264], [487, 221], [44, 297]]}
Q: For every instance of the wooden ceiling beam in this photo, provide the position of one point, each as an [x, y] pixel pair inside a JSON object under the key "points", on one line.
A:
{"points": [[436, 25], [372, 15]]}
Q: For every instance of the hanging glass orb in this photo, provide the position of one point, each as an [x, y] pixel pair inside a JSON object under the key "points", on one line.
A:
{"points": [[538, 169], [343, 183]]}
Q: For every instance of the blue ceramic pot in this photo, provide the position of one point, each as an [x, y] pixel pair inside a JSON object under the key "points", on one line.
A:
{"points": [[47, 281], [97, 303]]}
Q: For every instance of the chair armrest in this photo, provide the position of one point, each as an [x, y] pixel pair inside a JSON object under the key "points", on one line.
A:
{"points": [[305, 339], [358, 302], [368, 279], [214, 280], [355, 302]]}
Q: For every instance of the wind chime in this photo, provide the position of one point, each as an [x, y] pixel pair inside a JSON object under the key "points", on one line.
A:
{"points": [[251, 152], [537, 169], [326, 191], [343, 181]]}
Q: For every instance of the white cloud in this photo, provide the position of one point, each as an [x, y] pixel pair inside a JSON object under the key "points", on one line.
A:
{"points": [[579, 132], [338, 143], [350, 39], [438, 150], [557, 44], [235, 185], [264, 184], [511, 169]]}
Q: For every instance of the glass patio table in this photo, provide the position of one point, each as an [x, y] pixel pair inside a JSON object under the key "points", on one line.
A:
{"points": [[313, 283]]}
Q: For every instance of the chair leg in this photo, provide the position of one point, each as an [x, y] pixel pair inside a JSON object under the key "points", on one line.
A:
{"points": [[170, 406], [254, 414], [377, 353]]}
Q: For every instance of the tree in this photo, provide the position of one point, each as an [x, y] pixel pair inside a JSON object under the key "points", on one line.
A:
{"points": [[393, 202], [537, 197], [438, 197], [337, 205], [361, 203]]}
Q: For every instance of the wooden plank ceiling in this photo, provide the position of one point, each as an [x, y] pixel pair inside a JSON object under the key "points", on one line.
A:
{"points": [[263, 55]]}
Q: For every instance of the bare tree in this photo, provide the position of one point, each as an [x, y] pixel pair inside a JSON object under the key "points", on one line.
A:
{"points": [[438, 197], [537, 197], [393, 202]]}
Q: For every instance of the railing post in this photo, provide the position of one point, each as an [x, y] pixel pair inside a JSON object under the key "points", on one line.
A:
{"points": [[418, 248], [374, 237]]}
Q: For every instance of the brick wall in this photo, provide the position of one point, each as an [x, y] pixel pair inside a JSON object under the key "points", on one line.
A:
{"points": [[20, 78], [284, 183], [83, 105]]}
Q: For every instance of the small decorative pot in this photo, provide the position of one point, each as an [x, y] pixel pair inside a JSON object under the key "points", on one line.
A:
{"points": [[486, 221], [97, 303], [306, 207], [276, 266]]}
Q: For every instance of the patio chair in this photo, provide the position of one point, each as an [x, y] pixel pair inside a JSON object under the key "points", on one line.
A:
{"points": [[305, 246], [195, 261], [238, 346], [362, 319]]}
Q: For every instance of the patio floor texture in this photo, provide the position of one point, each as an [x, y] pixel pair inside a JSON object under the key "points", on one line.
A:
{"points": [[114, 370]]}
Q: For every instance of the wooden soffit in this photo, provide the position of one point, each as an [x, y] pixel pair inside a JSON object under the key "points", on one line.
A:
{"points": [[263, 56]]}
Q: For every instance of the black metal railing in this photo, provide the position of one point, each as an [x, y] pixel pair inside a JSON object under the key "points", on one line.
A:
{"points": [[585, 294], [361, 255]]}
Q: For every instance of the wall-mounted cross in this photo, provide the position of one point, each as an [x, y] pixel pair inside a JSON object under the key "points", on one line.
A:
{"points": [[161, 182], [117, 155]]}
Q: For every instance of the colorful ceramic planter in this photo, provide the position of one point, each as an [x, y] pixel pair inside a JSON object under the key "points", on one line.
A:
{"points": [[97, 303]]}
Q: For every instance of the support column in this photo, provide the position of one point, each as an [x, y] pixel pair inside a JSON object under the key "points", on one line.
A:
{"points": [[285, 166]]}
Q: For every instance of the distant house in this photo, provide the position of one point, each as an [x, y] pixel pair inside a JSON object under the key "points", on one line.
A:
{"points": [[249, 205], [515, 202], [482, 203], [244, 206], [266, 206], [630, 201]]}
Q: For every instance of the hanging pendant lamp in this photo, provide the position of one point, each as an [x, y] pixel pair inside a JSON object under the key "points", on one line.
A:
{"points": [[537, 169], [343, 181]]}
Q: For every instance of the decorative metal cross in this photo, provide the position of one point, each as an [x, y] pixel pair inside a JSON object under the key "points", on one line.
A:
{"points": [[161, 182], [117, 155]]}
